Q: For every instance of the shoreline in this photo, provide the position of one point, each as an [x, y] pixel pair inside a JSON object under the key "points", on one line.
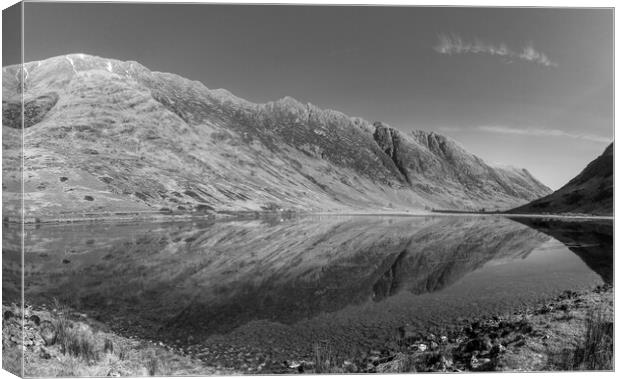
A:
{"points": [[528, 340], [240, 215], [61, 342], [543, 338]]}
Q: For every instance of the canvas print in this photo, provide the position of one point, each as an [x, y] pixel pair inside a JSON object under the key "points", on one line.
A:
{"points": [[228, 189]]}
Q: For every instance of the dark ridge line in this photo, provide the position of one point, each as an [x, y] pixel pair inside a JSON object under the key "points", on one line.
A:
{"points": [[392, 149]]}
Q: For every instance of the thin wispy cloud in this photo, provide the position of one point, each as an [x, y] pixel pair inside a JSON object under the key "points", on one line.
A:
{"points": [[542, 132], [453, 44]]}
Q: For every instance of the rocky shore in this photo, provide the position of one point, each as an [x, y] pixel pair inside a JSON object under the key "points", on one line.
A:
{"points": [[59, 342], [552, 336]]}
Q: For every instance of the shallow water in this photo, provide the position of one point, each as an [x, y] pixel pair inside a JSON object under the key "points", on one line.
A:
{"points": [[276, 287]]}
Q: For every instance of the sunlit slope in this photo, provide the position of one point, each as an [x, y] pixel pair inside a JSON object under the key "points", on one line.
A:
{"points": [[104, 135]]}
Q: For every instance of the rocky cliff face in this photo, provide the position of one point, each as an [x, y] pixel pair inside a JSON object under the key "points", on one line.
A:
{"points": [[590, 192], [103, 135], [439, 167]]}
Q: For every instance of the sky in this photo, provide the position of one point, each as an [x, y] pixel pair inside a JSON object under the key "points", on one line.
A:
{"points": [[527, 87]]}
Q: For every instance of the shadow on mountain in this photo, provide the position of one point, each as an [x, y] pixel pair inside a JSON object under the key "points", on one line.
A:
{"points": [[590, 192], [590, 240]]}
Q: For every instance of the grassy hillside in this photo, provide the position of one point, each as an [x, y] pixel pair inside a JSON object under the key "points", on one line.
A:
{"points": [[103, 135]]}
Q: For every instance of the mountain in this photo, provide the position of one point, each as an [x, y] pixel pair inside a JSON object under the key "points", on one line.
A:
{"points": [[591, 192], [102, 135]]}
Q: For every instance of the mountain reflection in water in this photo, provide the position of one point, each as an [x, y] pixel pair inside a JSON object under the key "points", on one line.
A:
{"points": [[319, 275], [592, 241]]}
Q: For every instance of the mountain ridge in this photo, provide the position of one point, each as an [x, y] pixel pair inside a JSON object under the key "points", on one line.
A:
{"points": [[144, 140]]}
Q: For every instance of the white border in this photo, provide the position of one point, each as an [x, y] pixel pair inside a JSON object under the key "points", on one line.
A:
{"points": [[476, 3]]}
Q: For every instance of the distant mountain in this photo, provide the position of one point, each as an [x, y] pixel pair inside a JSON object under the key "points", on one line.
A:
{"points": [[591, 192], [104, 135]]}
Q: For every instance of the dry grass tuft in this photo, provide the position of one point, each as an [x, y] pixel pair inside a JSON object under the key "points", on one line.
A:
{"points": [[324, 358], [76, 339], [79, 341], [152, 364], [595, 350]]}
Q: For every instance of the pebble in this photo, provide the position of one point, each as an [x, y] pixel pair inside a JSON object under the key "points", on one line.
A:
{"points": [[294, 364], [44, 354], [474, 362]]}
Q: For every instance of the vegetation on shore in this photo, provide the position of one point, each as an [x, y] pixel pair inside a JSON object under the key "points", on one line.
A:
{"points": [[62, 343], [572, 332]]}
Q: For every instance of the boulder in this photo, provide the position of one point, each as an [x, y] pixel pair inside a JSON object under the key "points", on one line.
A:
{"points": [[44, 354], [48, 333], [8, 315], [479, 344], [35, 319]]}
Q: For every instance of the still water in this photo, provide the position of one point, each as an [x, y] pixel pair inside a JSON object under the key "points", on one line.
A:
{"points": [[275, 287]]}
